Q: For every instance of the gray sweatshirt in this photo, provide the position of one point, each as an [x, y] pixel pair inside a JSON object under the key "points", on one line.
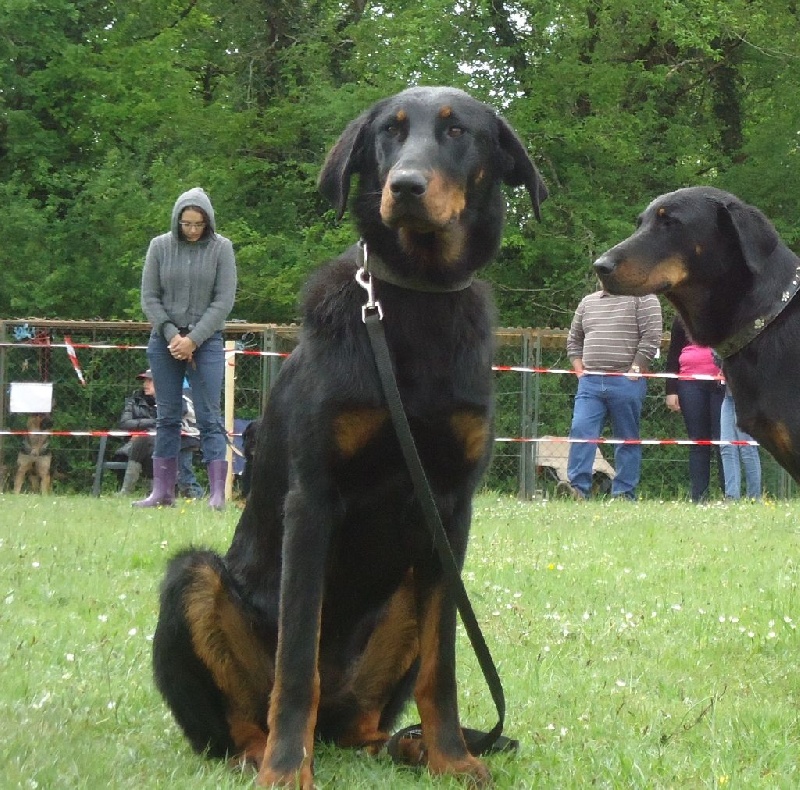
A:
{"points": [[189, 284]]}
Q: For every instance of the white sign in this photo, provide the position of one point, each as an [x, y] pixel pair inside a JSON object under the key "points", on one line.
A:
{"points": [[31, 398]]}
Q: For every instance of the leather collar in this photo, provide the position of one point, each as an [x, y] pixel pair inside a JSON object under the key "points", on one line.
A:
{"points": [[733, 345], [373, 265]]}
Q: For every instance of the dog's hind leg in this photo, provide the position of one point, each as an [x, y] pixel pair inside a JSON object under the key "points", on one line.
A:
{"points": [[209, 666], [381, 681]]}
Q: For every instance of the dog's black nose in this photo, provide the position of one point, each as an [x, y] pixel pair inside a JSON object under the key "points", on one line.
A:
{"points": [[408, 184], [604, 264]]}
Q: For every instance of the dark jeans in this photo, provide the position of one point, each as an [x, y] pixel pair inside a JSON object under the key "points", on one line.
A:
{"points": [[701, 404], [205, 375]]}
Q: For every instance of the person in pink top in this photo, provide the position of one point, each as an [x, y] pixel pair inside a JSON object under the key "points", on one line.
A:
{"points": [[700, 403]]}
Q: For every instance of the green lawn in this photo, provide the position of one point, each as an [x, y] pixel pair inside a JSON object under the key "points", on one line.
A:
{"points": [[647, 645]]}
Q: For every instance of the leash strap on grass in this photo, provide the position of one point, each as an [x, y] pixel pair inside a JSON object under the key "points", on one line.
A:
{"points": [[477, 742]]}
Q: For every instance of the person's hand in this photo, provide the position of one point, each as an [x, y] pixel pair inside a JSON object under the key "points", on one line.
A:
{"points": [[673, 404], [182, 347]]}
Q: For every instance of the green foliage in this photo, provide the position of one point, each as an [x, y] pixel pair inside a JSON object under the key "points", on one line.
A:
{"points": [[109, 110]]}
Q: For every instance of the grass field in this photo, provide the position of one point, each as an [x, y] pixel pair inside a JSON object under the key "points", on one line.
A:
{"points": [[647, 645]]}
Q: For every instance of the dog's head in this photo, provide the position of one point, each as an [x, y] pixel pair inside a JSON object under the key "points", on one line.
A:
{"points": [[430, 163], [700, 247]]}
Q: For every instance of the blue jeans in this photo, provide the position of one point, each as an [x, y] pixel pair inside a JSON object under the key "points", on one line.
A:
{"points": [[732, 454], [701, 405], [205, 375], [187, 482], [598, 398]]}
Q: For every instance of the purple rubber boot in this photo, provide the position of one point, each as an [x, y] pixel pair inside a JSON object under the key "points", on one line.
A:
{"points": [[217, 474], [165, 472]]}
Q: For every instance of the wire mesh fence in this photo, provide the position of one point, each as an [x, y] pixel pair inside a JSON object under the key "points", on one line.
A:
{"points": [[534, 393]]}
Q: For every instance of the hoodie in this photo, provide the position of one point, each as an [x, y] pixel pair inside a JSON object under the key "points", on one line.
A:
{"points": [[186, 284]]}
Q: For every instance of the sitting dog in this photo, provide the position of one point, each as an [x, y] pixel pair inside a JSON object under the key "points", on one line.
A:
{"points": [[330, 609], [34, 459], [734, 282]]}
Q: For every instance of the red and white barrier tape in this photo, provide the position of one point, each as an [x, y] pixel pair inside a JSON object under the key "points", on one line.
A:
{"points": [[73, 358], [70, 346], [507, 439], [567, 440]]}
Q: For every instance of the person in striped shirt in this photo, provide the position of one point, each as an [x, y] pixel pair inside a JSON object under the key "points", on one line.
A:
{"points": [[610, 335]]}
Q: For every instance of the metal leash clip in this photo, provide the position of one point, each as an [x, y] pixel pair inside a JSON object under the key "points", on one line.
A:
{"points": [[364, 279]]}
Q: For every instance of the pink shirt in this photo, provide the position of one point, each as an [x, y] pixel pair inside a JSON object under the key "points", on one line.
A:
{"points": [[697, 361]]}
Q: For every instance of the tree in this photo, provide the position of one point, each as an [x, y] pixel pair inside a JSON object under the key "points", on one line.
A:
{"points": [[108, 110]]}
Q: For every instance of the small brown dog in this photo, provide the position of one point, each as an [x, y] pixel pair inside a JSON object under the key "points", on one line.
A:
{"points": [[35, 457]]}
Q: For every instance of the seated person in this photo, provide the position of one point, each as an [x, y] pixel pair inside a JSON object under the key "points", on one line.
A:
{"points": [[139, 414]]}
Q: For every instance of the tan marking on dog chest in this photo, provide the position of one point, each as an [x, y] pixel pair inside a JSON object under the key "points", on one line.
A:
{"points": [[472, 431], [353, 429]]}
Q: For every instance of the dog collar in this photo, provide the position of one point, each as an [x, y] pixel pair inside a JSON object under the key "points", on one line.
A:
{"points": [[373, 265], [754, 328]]}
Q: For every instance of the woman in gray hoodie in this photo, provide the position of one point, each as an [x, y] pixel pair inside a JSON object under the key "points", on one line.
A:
{"points": [[188, 290]]}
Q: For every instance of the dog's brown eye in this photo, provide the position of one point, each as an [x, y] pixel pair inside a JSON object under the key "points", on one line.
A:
{"points": [[393, 129], [666, 220], [455, 131]]}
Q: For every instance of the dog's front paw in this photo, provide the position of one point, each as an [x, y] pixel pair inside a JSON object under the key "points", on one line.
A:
{"points": [[302, 779], [470, 770]]}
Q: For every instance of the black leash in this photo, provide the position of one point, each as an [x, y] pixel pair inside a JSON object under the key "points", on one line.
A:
{"points": [[477, 742]]}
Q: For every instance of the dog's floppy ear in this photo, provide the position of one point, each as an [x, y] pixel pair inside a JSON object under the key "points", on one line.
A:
{"points": [[344, 159], [756, 234], [520, 170]]}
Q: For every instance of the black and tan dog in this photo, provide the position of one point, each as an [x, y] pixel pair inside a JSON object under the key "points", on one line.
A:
{"points": [[329, 609], [734, 282], [35, 459]]}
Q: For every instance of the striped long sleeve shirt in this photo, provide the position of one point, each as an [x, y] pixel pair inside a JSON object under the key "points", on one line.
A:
{"points": [[611, 333]]}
